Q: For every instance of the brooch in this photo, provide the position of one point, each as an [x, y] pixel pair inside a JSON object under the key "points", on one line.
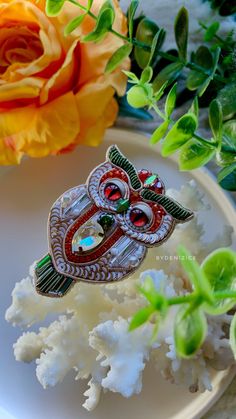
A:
{"points": [[100, 232]]}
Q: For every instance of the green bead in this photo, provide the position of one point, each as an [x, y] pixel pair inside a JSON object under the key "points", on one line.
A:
{"points": [[123, 205], [150, 180], [106, 221], [43, 261]]}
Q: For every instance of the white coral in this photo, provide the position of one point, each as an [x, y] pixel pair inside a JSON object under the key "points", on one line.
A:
{"points": [[123, 352], [91, 333]]}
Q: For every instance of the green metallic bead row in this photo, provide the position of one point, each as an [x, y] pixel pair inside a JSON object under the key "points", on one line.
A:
{"points": [[119, 160], [172, 207]]}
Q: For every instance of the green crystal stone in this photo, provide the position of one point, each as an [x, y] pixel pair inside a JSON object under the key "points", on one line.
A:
{"points": [[123, 205], [106, 221], [150, 180], [43, 261]]}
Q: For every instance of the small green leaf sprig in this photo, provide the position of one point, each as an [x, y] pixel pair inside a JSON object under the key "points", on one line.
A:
{"points": [[207, 69], [180, 135], [213, 292]]}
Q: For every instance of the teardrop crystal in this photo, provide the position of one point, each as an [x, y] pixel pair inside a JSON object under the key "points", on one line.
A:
{"points": [[87, 237]]}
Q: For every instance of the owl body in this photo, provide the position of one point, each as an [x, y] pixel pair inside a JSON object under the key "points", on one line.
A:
{"points": [[100, 232]]}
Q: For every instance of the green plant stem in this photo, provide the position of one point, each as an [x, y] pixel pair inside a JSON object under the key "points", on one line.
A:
{"points": [[182, 299], [190, 298], [146, 47], [157, 110], [204, 141], [221, 295]]}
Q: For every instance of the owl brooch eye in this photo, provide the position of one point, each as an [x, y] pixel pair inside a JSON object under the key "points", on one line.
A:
{"points": [[140, 215], [114, 190], [99, 232]]}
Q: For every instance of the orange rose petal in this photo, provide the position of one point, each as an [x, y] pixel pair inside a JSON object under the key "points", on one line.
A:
{"points": [[63, 119], [8, 153], [54, 127], [94, 134], [93, 101], [65, 78], [15, 120], [23, 89], [27, 13]]}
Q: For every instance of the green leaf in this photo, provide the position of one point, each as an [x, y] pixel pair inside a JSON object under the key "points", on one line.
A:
{"points": [[179, 134], [131, 13], [227, 155], [195, 154], [119, 55], [148, 289], [208, 80], [196, 275], [227, 99], [216, 119], [229, 134], [132, 77], [229, 181], [232, 335], [89, 5], [53, 7], [216, 58], [169, 74], [158, 94], [156, 45], [226, 172], [181, 33], [145, 33], [203, 57], [211, 31], [157, 300], [220, 269], [194, 107], [170, 100], [73, 24], [189, 331], [159, 132], [146, 75], [104, 23], [204, 86], [195, 79], [141, 317]]}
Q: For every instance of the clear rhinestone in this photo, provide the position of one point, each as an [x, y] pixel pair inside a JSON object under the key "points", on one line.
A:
{"points": [[87, 237]]}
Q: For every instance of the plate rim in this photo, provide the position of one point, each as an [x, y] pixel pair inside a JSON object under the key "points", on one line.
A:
{"points": [[224, 378]]}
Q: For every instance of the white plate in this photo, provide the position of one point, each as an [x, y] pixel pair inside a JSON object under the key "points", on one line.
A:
{"points": [[27, 193]]}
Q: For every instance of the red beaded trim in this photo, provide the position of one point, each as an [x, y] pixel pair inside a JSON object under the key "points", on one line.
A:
{"points": [[114, 173], [158, 213], [88, 258]]}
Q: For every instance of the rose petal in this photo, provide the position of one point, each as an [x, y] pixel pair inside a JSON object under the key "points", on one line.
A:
{"points": [[8, 152], [38, 131], [28, 13], [97, 110], [65, 78], [54, 127]]}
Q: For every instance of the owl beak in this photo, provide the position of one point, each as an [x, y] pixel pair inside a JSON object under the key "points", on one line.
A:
{"points": [[123, 205]]}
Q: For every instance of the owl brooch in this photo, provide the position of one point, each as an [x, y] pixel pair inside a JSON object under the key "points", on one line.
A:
{"points": [[100, 232]]}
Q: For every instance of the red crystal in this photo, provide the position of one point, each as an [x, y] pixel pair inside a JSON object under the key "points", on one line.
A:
{"points": [[158, 187], [112, 192], [138, 218]]}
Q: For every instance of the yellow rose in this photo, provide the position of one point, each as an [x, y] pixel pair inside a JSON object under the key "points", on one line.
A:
{"points": [[53, 90]]}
